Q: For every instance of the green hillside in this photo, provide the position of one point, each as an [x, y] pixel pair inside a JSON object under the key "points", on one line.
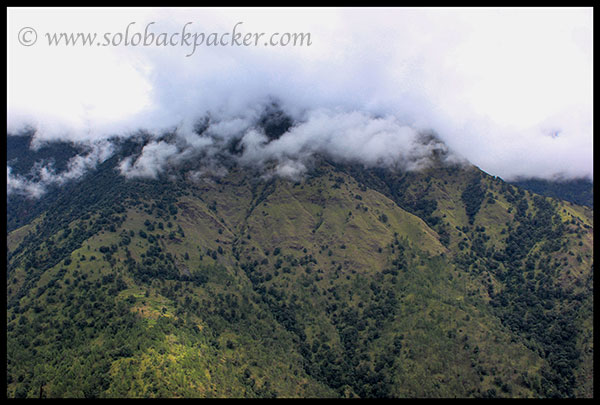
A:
{"points": [[353, 282], [578, 191]]}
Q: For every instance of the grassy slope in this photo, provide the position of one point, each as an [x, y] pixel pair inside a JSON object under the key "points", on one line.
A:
{"points": [[575, 275], [452, 343]]}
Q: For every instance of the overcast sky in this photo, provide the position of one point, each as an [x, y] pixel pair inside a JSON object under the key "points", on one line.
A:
{"points": [[508, 89]]}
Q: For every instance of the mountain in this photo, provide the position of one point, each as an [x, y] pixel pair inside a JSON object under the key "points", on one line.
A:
{"points": [[23, 159], [578, 191], [350, 282]]}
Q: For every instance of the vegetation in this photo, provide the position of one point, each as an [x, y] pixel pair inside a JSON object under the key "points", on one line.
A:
{"points": [[578, 191], [350, 283]]}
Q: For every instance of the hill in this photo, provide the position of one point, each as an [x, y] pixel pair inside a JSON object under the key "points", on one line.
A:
{"points": [[351, 282], [578, 191]]}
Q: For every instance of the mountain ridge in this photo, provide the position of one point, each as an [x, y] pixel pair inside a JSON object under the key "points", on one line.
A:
{"points": [[352, 281]]}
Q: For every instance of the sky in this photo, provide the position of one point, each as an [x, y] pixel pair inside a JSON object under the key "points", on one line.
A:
{"points": [[509, 90]]}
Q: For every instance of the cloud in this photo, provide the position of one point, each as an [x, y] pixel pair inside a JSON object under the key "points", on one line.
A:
{"points": [[154, 158], [493, 84], [342, 136], [44, 175], [16, 184], [353, 136]]}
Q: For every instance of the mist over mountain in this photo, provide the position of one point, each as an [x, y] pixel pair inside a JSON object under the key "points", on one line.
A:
{"points": [[268, 139], [402, 209], [514, 102]]}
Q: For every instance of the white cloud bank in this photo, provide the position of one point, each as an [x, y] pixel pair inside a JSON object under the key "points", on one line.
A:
{"points": [[508, 89]]}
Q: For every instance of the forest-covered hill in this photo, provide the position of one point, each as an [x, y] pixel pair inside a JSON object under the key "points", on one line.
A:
{"points": [[351, 282], [578, 191]]}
